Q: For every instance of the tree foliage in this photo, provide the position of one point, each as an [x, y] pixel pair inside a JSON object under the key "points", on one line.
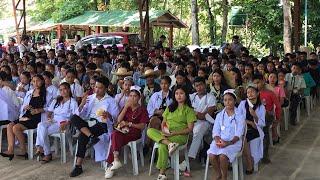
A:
{"points": [[265, 28]]}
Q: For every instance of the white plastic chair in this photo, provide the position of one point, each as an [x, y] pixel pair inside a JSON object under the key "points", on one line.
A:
{"points": [[308, 104], [174, 159], [286, 117], [30, 133], [298, 112], [237, 164], [1, 128], [63, 136], [134, 146]]}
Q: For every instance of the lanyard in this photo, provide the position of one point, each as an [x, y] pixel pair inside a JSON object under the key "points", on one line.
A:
{"points": [[293, 82], [163, 100], [206, 100], [233, 119]]}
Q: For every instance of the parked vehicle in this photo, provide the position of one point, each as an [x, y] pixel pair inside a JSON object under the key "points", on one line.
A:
{"points": [[111, 38]]}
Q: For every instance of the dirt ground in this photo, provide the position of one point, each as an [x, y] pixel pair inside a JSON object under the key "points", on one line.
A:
{"points": [[296, 157]]}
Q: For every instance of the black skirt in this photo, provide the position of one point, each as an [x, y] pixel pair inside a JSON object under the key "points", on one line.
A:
{"points": [[252, 134]]}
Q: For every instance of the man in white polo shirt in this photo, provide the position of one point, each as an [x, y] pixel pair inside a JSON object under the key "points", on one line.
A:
{"points": [[204, 105]]}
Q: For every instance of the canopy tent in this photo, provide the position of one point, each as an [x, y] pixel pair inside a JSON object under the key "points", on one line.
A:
{"points": [[237, 17], [43, 26], [119, 18]]}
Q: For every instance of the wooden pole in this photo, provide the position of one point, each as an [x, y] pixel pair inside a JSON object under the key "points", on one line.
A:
{"points": [[147, 39], [24, 17], [59, 31], [171, 37], [97, 29], [296, 24], [15, 20]]}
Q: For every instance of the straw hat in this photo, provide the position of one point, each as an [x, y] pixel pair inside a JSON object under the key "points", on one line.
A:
{"points": [[123, 72], [149, 72]]}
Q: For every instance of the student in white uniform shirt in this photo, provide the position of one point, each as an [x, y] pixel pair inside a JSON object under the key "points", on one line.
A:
{"points": [[255, 113], [122, 97], [102, 110], [51, 89], [204, 105], [24, 85], [295, 86], [9, 109], [76, 88], [158, 102], [59, 113]]}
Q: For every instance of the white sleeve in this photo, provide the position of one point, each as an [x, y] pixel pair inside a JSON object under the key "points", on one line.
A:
{"points": [[79, 91], [51, 106], [75, 108], [242, 107], [261, 113], [211, 100], [150, 106]]}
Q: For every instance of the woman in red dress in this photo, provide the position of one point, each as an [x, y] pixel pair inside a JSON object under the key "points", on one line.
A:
{"points": [[131, 122]]}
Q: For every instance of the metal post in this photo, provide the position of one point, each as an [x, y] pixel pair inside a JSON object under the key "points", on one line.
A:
{"points": [[305, 23], [24, 17]]}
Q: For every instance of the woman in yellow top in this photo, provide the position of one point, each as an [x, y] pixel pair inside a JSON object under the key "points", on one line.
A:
{"points": [[178, 121]]}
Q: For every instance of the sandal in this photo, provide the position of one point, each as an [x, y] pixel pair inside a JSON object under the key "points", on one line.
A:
{"points": [[44, 161], [162, 177], [172, 148]]}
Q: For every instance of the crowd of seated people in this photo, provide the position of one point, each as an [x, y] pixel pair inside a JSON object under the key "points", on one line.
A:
{"points": [[220, 103]]}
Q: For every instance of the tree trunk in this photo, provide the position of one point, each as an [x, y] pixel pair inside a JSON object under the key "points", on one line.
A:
{"points": [[224, 20], [95, 5], [211, 22], [297, 24], [194, 22], [287, 24]]}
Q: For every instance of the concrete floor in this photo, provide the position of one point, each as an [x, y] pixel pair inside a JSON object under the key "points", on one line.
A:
{"points": [[296, 157]]}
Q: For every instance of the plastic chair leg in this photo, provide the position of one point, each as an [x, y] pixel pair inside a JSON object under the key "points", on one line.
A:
{"points": [[241, 168], [141, 154], [63, 148], [186, 157], [55, 145], [30, 144], [75, 155], [133, 146], [235, 169], [176, 165], [207, 167], [152, 158], [125, 155]]}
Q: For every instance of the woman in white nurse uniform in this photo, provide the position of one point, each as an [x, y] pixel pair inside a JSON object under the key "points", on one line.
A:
{"points": [[227, 135], [59, 113], [255, 113]]}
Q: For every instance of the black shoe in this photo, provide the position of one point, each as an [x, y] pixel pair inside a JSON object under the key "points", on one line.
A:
{"points": [[10, 156], [92, 141], [76, 171], [25, 156], [265, 161], [276, 142], [248, 172], [145, 150]]}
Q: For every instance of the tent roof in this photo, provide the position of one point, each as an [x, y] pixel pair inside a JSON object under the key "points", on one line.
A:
{"points": [[119, 18], [43, 26]]}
